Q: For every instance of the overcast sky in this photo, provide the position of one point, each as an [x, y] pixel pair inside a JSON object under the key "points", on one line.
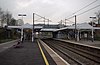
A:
{"points": [[52, 9]]}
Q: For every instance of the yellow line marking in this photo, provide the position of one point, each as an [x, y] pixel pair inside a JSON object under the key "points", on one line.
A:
{"points": [[43, 55], [54, 52]]}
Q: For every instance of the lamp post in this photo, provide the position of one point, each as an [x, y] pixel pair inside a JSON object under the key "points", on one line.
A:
{"points": [[22, 38], [33, 29], [92, 28], [22, 15]]}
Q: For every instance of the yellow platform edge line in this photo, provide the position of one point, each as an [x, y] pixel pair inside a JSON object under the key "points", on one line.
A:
{"points": [[43, 55]]}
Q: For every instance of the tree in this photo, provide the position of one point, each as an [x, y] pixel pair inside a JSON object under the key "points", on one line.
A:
{"points": [[20, 22], [12, 22], [5, 17], [1, 15], [1, 12], [98, 16], [8, 16]]}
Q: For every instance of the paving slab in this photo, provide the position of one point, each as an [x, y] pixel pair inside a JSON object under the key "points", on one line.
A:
{"points": [[28, 54]]}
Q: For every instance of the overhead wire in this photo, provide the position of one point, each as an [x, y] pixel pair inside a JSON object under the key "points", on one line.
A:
{"points": [[82, 8], [88, 10], [85, 6], [42, 17]]}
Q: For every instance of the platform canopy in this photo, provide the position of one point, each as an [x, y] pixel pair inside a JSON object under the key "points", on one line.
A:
{"points": [[27, 25], [79, 26]]}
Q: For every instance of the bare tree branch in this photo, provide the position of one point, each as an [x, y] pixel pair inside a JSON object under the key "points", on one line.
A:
{"points": [[98, 16]]}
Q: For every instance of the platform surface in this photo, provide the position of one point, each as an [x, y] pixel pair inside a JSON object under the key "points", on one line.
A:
{"points": [[28, 54], [85, 42]]}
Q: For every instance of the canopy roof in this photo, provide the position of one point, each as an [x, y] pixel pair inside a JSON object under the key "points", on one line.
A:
{"points": [[27, 25], [78, 26]]}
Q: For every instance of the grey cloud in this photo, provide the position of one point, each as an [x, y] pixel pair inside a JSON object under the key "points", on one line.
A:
{"points": [[53, 9]]}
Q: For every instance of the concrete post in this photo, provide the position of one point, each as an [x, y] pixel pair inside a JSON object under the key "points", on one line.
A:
{"points": [[92, 28], [33, 29], [32, 36], [78, 36], [21, 34], [92, 35]]}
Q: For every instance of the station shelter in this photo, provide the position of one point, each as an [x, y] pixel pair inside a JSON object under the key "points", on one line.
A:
{"points": [[27, 31], [83, 31]]}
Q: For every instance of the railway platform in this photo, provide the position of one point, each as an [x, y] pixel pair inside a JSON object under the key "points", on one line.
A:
{"points": [[84, 42], [28, 54], [95, 43]]}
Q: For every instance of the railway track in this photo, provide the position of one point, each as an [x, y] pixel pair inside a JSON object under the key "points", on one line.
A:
{"points": [[75, 54]]}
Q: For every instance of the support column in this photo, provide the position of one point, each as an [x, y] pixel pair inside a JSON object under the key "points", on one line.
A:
{"points": [[75, 29], [78, 35], [68, 36], [59, 35], [92, 35], [21, 34], [38, 35], [32, 36]]}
